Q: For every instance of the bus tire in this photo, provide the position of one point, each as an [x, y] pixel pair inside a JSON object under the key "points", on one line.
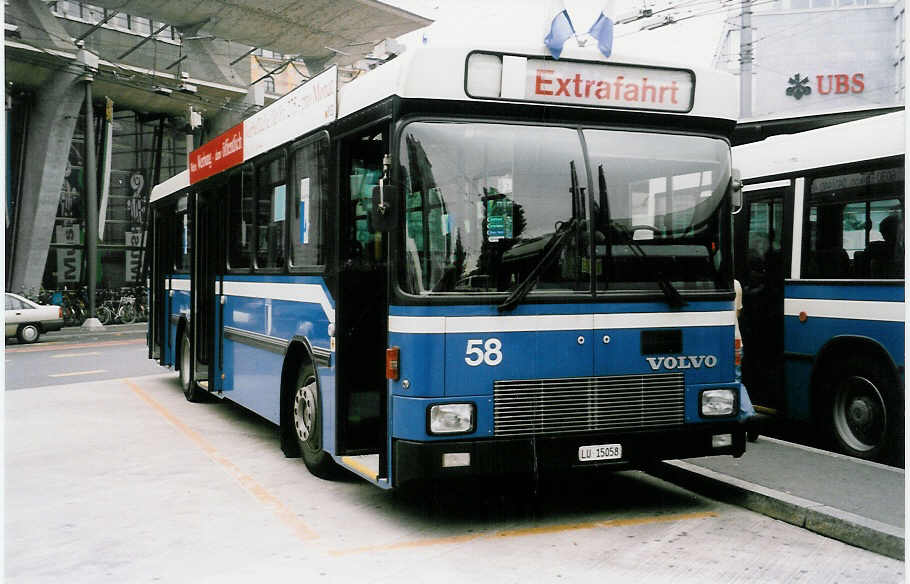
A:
{"points": [[191, 391], [306, 420], [864, 410]]}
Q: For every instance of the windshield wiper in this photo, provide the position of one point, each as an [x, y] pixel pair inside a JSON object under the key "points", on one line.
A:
{"points": [[564, 231], [563, 234], [674, 298]]}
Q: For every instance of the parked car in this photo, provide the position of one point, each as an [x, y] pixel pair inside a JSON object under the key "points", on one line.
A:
{"points": [[27, 320]]}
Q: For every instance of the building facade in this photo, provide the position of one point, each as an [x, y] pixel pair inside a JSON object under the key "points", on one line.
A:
{"points": [[818, 56]]}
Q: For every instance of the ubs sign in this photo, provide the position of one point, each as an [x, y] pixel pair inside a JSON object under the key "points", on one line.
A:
{"points": [[837, 83]]}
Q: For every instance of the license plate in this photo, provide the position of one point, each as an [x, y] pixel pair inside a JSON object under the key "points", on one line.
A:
{"points": [[599, 452]]}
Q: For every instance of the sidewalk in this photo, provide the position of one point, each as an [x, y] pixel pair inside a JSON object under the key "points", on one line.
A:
{"points": [[858, 502]]}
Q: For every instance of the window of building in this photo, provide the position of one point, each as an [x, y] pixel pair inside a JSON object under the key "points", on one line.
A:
{"points": [[306, 223]]}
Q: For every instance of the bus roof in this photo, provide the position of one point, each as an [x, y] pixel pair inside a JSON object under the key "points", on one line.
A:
{"points": [[582, 78], [176, 183], [856, 141], [445, 72]]}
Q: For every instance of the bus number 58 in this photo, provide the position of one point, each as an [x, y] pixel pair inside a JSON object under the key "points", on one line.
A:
{"points": [[479, 351]]}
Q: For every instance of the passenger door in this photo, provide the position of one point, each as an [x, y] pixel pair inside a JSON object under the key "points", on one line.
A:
{"points": [[762, 239], [362, 303]]}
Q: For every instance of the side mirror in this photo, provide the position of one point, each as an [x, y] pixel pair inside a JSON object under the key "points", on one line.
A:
{"points": [[384, 212], [736, 188]]}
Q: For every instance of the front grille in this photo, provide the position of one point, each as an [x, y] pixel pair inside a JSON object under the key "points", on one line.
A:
{"points": [[529, 407]]}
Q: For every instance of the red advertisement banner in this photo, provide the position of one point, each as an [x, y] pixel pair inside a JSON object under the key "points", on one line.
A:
{"points": [[218, 154]]}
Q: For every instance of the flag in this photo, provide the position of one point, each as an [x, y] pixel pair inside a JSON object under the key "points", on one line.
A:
{"points": [[602, 31], [561, 30]]}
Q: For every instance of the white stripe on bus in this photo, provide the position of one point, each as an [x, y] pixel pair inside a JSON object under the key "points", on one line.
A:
{"points": [[849, 309], [181, 284], [313, 293], [555, 322]]}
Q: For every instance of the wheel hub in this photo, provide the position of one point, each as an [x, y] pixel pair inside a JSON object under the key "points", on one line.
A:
{"points": [[305, 412], [860, 411], [860, 417]]}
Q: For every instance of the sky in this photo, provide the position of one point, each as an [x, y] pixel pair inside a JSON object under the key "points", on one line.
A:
{"points": [[693, 41]]}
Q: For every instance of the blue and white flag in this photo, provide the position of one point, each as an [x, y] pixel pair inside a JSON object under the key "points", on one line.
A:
{"points": [[602, 31], [561, 30]]}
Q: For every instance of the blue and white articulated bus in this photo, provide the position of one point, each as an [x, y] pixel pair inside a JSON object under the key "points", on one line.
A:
{"points": [[467, 261], [820, 255]]}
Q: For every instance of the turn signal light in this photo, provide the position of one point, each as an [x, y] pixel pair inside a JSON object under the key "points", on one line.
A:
{"points": [[392, 363], [738, 352]]}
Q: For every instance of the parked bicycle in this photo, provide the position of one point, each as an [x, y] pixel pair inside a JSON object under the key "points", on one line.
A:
{"points": [[114, 309]]}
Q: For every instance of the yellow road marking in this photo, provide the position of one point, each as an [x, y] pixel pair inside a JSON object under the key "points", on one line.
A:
{"points": [[78, 373], [261, 494], [547, 529], [65, 355]]}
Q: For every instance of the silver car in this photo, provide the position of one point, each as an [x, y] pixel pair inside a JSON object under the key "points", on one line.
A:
{"points": [[26, 320]]}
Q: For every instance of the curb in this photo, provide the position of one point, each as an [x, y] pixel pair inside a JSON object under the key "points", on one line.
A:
{"points": [[849, 528]]}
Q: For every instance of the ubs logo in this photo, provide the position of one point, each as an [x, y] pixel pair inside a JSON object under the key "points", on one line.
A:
{"points": [[682, 362]]}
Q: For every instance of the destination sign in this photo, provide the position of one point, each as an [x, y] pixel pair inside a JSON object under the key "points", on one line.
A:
{"points": [[580, 83]]}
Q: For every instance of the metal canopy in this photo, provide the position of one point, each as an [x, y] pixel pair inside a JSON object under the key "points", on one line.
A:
{"points": [[341, 31]]}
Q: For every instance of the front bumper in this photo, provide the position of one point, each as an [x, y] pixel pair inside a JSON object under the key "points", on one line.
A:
{"points": [[502, 456]]}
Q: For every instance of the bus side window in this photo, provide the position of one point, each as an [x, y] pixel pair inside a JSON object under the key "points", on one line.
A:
{"points": [[271, 204], [854, 226], [308, 205], [240, 218], [183, 237], [364, 169]]}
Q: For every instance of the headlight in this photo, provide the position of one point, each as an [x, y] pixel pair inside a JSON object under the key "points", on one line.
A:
{"points": [[718, 402], [451, 418]]}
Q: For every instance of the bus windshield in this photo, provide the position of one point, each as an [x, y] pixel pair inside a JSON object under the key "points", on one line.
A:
{"points": [[484, 203]]}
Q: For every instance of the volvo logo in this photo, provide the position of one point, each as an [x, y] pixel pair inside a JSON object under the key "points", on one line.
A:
{"points": [[682, 362]]}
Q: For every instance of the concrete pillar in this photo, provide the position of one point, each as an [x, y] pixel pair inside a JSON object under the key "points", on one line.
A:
{"points": [[48, 140]]}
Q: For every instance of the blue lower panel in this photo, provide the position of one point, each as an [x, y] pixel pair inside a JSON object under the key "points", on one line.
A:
{"points": [[253, 378], [808, 337]]}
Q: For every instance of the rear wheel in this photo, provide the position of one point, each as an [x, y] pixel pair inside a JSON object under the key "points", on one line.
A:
{"points": [[191, 391], [864, 415], [127, 314], [104, 314], [28, 333], [307, 421]]}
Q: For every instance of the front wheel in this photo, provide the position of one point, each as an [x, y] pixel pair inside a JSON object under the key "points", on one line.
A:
{"points": [[28, 333], [191, 391], [307, 420], [863, 413]]}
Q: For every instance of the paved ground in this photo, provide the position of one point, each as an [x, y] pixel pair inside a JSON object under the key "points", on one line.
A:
{"points": [[124, 481]]}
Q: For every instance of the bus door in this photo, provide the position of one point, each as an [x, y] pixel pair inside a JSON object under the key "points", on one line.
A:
{"points": [[362, 315], [763, 237], [156, 290], [203, 299]]}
